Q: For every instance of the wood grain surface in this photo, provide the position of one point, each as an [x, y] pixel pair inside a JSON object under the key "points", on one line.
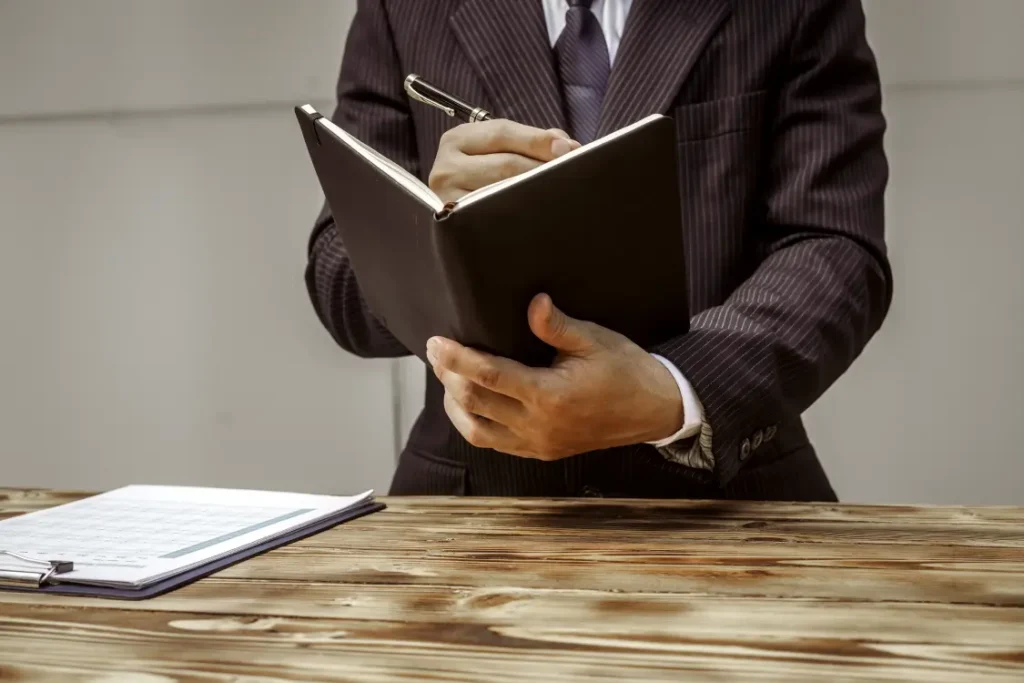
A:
{"points": [[537, 590]]}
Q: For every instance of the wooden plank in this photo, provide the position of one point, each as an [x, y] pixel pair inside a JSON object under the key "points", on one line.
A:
{"points": [[623, 521], [491, 590], [29, 500], [755, 547], [617, 560], [326, 649], [718, 615], [676, 531], [986, 588], [471, 510]]}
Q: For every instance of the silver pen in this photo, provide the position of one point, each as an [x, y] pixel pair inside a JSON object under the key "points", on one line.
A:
{"points": [[421, 91]]}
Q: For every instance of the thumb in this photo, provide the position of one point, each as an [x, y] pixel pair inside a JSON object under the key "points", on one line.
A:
{"points": [[554, 327]]}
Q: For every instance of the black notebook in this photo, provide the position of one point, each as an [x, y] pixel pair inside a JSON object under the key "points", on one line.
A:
{"points": [[599, 229]]}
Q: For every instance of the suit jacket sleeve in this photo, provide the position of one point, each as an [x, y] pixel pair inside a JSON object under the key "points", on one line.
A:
{"points": [[372, 106], [823, 284]]}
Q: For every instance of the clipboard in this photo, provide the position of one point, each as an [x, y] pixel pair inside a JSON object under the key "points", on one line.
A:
{"points": [[22, 573]]}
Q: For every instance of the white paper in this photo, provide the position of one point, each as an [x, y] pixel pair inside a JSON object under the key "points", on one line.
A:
{"points": [[139, 534]]}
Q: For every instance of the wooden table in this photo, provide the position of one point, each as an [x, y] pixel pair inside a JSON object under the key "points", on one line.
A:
{"points": [[595, 590]]}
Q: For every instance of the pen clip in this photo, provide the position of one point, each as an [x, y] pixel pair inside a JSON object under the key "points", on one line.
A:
{"points": [[420, 97]]}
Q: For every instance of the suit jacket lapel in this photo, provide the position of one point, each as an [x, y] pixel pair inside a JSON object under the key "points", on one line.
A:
{"points": [[506, 41], [660, 45]]}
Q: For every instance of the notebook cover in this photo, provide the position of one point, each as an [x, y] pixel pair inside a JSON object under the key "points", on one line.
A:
{"points": [[601, 234], [388, 235], [187, 577]]}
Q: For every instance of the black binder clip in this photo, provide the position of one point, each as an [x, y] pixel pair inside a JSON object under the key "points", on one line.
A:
{"points": [[32, 577]]}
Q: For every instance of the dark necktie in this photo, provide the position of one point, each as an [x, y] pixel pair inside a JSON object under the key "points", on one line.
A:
{"points": [[583, 66]]}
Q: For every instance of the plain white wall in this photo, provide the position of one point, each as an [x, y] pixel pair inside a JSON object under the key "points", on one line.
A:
{"points": [[155, 202], [155, 199], [932, 411]]}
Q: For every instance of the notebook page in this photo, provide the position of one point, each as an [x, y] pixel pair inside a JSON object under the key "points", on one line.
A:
{"points": [[487, 190], [407, 180], [139, 534]]}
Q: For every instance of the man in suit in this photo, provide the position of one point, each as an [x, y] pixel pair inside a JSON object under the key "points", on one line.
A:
{"points": [[782, 171]]}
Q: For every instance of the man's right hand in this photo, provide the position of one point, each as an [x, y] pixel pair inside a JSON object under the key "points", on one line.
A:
{"points": [[474, 155]]}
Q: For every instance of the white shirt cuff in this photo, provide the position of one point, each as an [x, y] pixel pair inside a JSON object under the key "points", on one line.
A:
{"points": [[693, 412]]}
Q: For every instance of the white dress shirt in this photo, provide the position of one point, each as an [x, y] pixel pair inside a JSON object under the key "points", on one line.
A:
{"points": [[611, 14]]}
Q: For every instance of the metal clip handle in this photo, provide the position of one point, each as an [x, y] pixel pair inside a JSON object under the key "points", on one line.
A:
{"points": [[20, 577]]}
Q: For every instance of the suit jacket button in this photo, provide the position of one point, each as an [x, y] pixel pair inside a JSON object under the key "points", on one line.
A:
{"points": [[769, 433], [745, 450], [758, 440]]}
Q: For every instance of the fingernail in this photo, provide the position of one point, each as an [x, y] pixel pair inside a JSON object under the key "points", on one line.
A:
{"points": [[432, 351], [560, 146]]}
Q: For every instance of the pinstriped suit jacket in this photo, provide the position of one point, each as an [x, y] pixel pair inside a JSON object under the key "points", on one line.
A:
{"points": [[777, 108]]}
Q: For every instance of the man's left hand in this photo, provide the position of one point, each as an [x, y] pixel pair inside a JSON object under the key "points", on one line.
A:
{"points": [[602, 391]]}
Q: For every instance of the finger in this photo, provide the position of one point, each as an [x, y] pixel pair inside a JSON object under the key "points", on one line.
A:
{"points": [[471, 172], [478, 431], [500, 375], [502, 135], [452, 194], [476, 400], [563, 144], [560, 147], [554, 327]]}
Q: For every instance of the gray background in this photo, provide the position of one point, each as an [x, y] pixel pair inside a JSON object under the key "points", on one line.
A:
{"points": [[155, 199]]}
